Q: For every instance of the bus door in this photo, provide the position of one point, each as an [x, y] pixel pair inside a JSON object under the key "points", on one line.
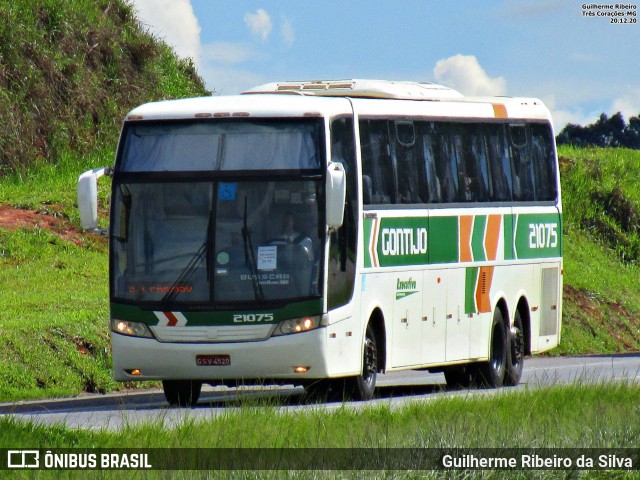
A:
{"points": [[434, 320], [458, 322], [407, 319]]}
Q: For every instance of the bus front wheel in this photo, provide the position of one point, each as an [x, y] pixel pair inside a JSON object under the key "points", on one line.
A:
{"points": [[181, 393], [363, 386], [492, 373]]}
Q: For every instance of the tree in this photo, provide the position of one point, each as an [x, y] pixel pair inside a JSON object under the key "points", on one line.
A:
{"points": [[605, 132]]}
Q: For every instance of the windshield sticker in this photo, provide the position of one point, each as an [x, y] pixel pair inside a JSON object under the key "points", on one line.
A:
{"points": [[227, 191], [143, 289], [222, 258], [267, 278], [268, 257]]}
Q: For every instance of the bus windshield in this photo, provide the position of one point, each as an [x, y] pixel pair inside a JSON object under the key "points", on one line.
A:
{"points": [[217, 242], [218, 211], [221, 145]]}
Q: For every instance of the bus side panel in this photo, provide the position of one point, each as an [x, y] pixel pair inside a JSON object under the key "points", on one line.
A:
{"points": [[377, 293], [344, 342], [538, 239]]}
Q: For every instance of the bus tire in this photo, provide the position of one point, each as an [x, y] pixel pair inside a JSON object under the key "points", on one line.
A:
{"points": [[459, 377], [491, 374], [515, 353], [363, 386], [182, 393], [324, 390]]}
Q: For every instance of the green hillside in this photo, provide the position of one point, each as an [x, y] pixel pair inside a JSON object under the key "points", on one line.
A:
{"points": [[70, 70], [601, 201]]}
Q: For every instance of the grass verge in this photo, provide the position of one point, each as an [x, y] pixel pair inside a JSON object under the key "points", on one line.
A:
{"points": [[577, 416]]}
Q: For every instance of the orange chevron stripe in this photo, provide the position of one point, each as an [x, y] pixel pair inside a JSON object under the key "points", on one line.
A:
{"points": [[466, 229], [483, 288], [373, 245], [492, 236]]}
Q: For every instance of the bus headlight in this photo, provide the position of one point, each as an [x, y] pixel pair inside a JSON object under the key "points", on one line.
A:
{"points": [[132, 329], [297, 325]]}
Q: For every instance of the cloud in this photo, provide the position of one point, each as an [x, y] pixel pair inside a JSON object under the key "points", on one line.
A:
{"points": [[173, 21], [226, 52], [464, 73], [259, 23], [227, 80], [576, 116], [628, 104], [584, 107], [287, 33]]}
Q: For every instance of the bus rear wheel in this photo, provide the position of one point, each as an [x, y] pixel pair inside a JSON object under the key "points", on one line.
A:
{"points": [[492, 373], [182, 393], [363, 386], [515, 354]]}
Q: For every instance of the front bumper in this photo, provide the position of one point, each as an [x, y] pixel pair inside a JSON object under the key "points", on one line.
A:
{"points": [[271, 359]]}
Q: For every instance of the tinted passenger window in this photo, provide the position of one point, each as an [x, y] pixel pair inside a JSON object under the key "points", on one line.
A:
{"points": [[522, 168], [544, 162], [499, 164], [453, 162], [378, 182]]}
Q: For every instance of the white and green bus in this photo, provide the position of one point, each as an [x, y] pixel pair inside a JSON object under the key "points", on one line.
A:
{"points": [[319, 233]]}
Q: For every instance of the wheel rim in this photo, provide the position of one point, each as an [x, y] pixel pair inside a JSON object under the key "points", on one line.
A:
{"points": [[517, 345], [370, 361], [497, 349]]}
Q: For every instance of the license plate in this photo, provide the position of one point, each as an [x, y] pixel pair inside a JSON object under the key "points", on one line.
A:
{"points": [[213, 360]]}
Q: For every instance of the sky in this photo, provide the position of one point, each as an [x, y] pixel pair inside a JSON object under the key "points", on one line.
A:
{"points": [[580, 65]]}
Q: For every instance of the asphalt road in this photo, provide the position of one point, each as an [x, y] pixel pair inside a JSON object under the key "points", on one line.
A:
{"points": [[113, 411]]}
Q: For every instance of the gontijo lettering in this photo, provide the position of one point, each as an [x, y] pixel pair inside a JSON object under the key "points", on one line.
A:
{"points": [[404, 241]]}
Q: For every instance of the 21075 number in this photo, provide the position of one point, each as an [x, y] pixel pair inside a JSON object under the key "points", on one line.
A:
{"points": [[543, 235]]}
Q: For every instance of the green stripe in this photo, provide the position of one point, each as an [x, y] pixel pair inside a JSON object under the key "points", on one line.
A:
{"points": [[403, 241], [477, 238], [520, 240], [471, 278], [217, 318], [509, 254], [368, 231], [538, 235], [443, 240]]}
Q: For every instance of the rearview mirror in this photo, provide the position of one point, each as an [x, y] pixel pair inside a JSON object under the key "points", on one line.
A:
{"points": [[336, 191], [88, 197]]}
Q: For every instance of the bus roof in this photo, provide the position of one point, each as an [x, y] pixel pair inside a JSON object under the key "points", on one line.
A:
{"points": [[500, 107], [362, 89], [310, 98]]}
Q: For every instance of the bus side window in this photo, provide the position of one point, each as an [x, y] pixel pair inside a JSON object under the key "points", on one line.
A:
{"points": [[499, 164], [343, 242], [478, 164], [447, 165], [543, 162], [433, 194], [520, 153], [410, 178], [376, 160]]}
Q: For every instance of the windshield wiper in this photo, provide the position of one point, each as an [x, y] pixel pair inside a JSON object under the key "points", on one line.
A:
{"points": [[191, 267], [249, 257]]}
